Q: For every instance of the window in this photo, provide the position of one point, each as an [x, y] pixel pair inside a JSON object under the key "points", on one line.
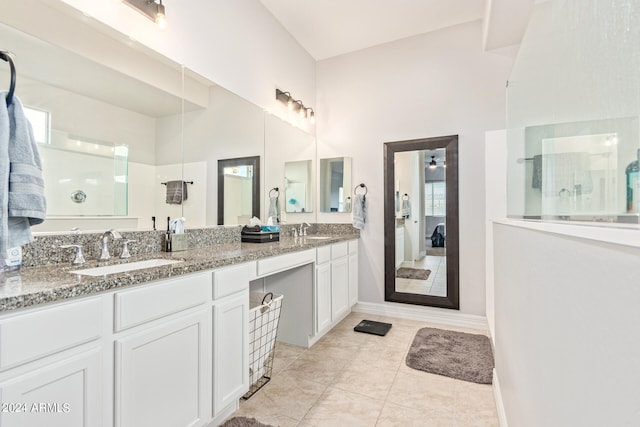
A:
{"points": [[435, 196], [40, 123]]}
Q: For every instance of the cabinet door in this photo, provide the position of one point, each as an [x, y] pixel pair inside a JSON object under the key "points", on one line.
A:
{"points": [[160, 375], [339, 287], [230, 350], [65, 394], [353, 279], [323, 296]]}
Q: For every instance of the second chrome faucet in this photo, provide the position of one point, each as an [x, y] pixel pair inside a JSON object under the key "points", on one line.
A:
{"points": [[104, 253]]}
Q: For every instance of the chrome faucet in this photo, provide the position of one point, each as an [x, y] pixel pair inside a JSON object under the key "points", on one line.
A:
{"points": [[303, 230], [104, 254]]}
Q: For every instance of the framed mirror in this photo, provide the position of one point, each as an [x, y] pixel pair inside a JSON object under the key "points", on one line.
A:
{"points": [[298, 186], [335, 184], [238, 190], [421, 222]]}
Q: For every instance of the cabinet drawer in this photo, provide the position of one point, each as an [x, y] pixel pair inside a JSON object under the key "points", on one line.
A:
{"points": [[285, 262], [353, 246], [36, 334], [160, 299], [230, 280], [339, 250], [324, 254]]}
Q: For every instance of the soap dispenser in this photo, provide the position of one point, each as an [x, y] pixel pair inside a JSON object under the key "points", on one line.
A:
{"points": [[633, 185]]}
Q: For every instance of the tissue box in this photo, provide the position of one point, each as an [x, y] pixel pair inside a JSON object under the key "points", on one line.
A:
{"points": [[259, 236]]}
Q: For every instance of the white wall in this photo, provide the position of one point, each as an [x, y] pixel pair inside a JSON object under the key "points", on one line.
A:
{"points": [[567, 339], [495, 208], [237, 44], [435, 84]]}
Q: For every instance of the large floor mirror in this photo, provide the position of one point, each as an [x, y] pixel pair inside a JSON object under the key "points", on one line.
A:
{"points": [[421, 221]]}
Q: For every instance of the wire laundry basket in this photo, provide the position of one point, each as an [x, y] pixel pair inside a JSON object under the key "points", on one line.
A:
{"points": [[264, 316]]}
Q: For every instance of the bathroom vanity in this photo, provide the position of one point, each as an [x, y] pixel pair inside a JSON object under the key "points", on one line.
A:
{"points": [[166, 346]]}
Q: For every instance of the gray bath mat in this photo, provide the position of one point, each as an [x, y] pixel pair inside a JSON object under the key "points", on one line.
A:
{"points": [[466, 357], [413, 273], [243, 422]]}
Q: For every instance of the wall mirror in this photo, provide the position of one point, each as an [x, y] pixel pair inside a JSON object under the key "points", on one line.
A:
{"points": [[290, 155], [421, 222], [238, 190], [298, 186], [98, 119], [335, 184]]}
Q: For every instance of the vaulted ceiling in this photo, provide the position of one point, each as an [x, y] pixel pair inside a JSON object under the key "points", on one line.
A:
{"points": [[327, 28]]}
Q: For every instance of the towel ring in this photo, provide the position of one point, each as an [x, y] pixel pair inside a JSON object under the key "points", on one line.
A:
{"points": [[7, 56], [276, 190], [405, 196], [355, 190]]}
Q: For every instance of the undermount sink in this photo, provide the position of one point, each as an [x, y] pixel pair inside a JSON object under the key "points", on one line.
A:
{"points": [[121, 268], [318, 237]]}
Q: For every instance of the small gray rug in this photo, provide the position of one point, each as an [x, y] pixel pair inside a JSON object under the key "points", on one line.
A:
{"points": [[458, 355], [243, 422], [413, 273]]}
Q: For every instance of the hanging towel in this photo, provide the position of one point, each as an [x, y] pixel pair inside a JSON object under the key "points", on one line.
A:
{"points": [[406, 208], [359, 211], [274, 208], [176, 192], [21, 184]]}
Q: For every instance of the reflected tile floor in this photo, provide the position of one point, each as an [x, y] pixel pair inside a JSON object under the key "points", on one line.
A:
{"points": [[354, 379], [436, 283]]}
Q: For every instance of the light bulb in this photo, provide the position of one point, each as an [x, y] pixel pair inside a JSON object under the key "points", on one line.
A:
{"points": [[161, 19], [290, 103], [312, 117], [302, 112]]}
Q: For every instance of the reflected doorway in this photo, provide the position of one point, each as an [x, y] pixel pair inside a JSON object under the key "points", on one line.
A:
{"points": [[421, 222], [238, 190]]}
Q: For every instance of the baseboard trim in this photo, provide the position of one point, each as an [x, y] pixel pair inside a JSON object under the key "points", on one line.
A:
{"points": [[424, 314], [497, 394]]}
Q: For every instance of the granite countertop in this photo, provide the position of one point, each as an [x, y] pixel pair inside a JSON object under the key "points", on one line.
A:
{"points": [[45, 284]]}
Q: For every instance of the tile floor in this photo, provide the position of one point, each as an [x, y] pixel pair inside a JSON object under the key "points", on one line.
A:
{"points": [[353, 379], [436, 283]]}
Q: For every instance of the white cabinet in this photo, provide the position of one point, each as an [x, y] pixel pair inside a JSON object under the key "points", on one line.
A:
{"points": [[353, 272], [62, 394], [230, 349], [160, 375], [323, 296], [399, 246], [230, 335], [339, 288], [334, 283]]}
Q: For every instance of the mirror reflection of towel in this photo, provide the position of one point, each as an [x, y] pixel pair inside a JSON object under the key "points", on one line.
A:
{"points": [[176, 192], [274, 209], [406, 208], [553, 173]]}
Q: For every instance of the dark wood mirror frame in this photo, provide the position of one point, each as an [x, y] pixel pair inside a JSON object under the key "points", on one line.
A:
{"points": [[255, 196], [450, 144]]}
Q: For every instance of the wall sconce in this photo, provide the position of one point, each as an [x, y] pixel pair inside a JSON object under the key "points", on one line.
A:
{"points": [[150, 9], [296, 105]]}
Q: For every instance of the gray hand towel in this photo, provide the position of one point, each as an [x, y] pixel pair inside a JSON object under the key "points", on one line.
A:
{"points": [[359, 211], [274, 209], [21, 184], [406, 208], [176, 192]]}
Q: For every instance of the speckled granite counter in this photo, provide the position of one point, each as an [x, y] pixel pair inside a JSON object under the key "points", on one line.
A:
{"points": [[50, 283]]}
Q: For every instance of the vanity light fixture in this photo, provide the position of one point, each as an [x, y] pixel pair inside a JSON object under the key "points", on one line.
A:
{"points": [[150, 9], [296, 105], [432, 163]]}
